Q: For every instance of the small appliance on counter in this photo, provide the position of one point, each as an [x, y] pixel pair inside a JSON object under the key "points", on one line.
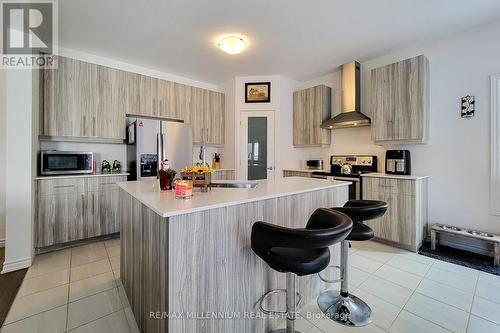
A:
{"points": [[397, 162], [55, 162], [314, 164]]}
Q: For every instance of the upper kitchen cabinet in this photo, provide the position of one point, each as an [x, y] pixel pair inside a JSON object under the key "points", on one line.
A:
{"points": [[311, 107], [111, 101], [69, 103], [215, 119], [400, 101], [82, 100], [207, 116]]}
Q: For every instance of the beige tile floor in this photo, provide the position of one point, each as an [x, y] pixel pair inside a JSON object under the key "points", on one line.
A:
{"points": [[78, 290], [73, 290]]}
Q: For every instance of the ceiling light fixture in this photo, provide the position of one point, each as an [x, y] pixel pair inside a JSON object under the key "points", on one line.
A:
{"points": [[233, 44]]}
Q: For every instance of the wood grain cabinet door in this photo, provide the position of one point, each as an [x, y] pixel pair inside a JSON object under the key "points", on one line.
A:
{"points": [[311, 107], [69, 99], [215, 119], [110, 113], [399, 101], [108, 212], [165, 94], [68, 217], [197, 113]]}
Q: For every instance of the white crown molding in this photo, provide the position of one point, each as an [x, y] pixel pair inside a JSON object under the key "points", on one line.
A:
{"points": [[495, 145], [11, 266], [117, 64]]}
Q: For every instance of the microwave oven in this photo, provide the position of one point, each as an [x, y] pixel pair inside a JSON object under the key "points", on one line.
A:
{"points": [[314, 164], [55, 162]]}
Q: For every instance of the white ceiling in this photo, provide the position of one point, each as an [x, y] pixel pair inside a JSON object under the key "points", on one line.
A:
{"points": [[297, 38]]}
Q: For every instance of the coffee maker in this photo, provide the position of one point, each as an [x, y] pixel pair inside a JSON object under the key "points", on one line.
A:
{"points": [[398, 162]]}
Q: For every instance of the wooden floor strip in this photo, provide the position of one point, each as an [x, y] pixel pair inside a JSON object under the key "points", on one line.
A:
{"points": [[9, 285]]}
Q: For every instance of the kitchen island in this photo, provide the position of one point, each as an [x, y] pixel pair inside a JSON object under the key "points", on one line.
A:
{"points": [[187, 265]]}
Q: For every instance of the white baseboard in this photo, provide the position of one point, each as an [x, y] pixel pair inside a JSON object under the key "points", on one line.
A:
{"points": [[16, 265], [2, 242]]}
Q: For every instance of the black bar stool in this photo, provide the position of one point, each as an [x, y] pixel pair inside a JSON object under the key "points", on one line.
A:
{"points": [[298, 252], [343, 307]]}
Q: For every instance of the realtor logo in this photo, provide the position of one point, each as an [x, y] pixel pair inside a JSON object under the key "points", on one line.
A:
{"points": [[29, 34]]}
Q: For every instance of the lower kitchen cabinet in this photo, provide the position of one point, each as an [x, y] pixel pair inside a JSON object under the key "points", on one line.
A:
{"points": [[405, 222], [296, 173], [73, 209]]}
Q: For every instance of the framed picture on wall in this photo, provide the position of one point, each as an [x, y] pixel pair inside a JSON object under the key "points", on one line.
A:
{"points": [[258, 92]]}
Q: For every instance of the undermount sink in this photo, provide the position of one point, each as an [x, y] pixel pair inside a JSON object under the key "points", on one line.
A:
{"points": [[234, 185]]}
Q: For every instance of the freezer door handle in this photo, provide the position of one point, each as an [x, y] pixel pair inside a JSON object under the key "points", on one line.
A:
{"points": [[163, 148], [159, 150]]}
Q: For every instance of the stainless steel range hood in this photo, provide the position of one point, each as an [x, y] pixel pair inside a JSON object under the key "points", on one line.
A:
{"points": [[351, 115]]}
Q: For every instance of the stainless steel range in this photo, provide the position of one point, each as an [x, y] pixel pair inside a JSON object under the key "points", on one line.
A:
{"points": [[349, 168]]}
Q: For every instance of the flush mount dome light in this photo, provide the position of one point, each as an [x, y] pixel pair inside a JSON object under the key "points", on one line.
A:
{"points": [[233, 44]]}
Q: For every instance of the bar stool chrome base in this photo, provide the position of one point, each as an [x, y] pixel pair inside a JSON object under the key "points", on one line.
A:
{"points": [[346, 310]]}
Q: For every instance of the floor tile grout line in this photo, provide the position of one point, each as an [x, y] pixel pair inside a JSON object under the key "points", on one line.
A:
{"points": [[97, 293], [33, 315], [430, 321], [69, 290], [406, 303], [437, 300], [454, 272], [109, 314], [404, 308], [401, 269]]}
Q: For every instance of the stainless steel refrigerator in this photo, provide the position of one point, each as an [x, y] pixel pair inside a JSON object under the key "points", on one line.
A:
{"points": [[151, 141]]}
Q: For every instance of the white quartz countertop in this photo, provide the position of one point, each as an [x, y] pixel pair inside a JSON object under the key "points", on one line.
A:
{"points": [[99, 174], [165, 204], [385, 175]]}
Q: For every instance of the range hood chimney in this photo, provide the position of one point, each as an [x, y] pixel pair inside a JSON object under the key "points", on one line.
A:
{"points": [[351, 115]]}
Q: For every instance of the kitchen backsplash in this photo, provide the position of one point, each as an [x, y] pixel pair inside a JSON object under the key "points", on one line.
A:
{"points": [[102, 151], [111, 152], [209, 154]]}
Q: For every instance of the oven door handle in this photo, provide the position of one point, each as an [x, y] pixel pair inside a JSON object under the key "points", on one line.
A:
{"points": [[346, 179]]}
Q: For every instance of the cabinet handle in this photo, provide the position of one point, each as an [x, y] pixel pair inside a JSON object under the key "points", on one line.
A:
{"points": [[93, 208], [64, 186], [84, 125], [83, 204], [108, 183], [94, 125]]}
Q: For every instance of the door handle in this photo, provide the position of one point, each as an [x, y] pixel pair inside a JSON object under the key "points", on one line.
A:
{"points": [[84, 127], [270, 168], [83, 205]]}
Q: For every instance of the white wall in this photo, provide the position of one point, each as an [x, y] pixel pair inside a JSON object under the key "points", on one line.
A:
{"points": [[457, 156], [2, 155], [19, 168]]}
